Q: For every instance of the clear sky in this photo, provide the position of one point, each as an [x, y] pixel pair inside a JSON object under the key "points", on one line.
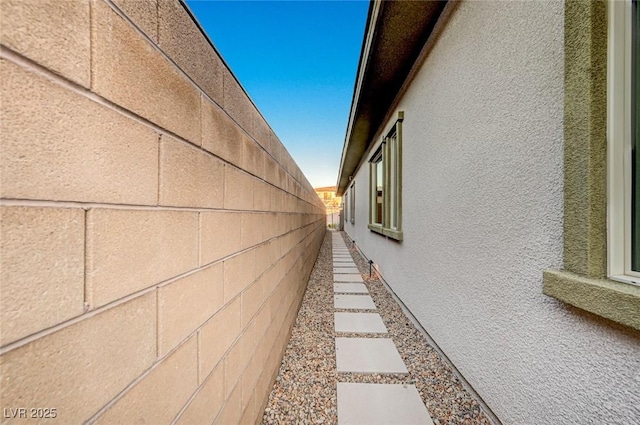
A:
{"points": [[297, 60]]}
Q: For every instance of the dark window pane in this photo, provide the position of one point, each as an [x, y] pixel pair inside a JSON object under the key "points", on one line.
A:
{"points": [[379, 191]]}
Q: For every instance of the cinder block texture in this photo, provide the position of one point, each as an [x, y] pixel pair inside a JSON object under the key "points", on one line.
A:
{"points": [[207, 402], [252, 228], [52, 33], [41, 268], [184, 305], [181, 39], [239, 273], [144, 15], [252, 157], [160, 395], [271, 170], [129, 250], [189, 177], [238, 358], [58, 145], [252, 298], [237, 103], [129, 71], [219, 235], [91, 361], [156, 237], [262, 195], [238, 189], [217, 335], [232, 411], [262, 132], [220, 135]]}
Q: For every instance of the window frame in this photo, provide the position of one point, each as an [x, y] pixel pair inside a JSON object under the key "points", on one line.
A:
{"points": [[585, 279], [378, 157], [390, 153], [352, 203], [620, 141]]}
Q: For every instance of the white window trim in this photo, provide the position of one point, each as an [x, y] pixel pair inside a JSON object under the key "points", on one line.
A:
{"points": [[619, 137]]}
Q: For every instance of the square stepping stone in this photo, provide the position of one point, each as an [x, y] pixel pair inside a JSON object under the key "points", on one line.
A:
{"points": [[354, 277], [350, 288], [358, 302], [345, 270], [343, 260], [377, 404], [359, 323], [368, 355]]}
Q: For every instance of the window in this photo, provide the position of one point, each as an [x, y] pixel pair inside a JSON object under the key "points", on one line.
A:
{"points": [[601, 236], [377, 176], [385, 170], [623, 138], [352, 203]]}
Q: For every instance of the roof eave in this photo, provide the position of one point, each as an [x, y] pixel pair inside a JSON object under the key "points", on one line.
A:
{"points": [[382, 70]]}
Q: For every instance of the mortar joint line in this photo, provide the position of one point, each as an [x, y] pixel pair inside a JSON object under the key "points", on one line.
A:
{"points": [[27, 63]]}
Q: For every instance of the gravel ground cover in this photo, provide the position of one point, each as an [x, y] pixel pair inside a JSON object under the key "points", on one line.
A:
{"points": [[305, 389]]}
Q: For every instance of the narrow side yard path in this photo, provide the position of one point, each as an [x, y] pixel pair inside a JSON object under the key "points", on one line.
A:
{"points": [[336, 310]]}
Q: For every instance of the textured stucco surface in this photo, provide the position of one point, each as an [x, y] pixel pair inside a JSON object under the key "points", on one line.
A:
{"points": [[607, 298], [483, 218], [585, 131]]}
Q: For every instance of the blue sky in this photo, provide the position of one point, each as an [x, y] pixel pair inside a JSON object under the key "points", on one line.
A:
{"points": [[297, 60]]}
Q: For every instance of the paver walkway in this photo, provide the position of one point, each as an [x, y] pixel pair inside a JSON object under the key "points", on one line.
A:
{"points": [[354, 357], [367, 403]]}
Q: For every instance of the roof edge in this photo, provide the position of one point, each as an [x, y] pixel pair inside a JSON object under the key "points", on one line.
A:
{"points": [[352, 155]]}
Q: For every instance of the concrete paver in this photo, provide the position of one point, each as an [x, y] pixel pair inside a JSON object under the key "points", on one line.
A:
{"points": [[350, 288], [359, 323], [345, 270], [378, 404], [360, 403], [342, 277], [354, 302], [368, 355]]}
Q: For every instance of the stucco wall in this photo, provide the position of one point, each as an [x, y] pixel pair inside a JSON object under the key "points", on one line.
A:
{"points": [[156, 236], [483, 217]]}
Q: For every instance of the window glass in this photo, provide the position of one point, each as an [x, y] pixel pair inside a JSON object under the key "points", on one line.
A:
{"points": [[352, 203], [379, 183]]}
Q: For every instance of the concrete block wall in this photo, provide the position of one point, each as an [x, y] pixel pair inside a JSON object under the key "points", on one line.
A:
{"points": [[156, 237]]}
